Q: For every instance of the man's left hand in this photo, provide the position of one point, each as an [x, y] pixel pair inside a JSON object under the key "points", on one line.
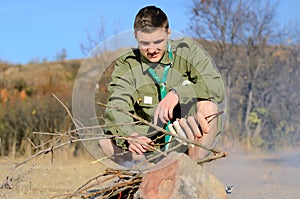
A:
{"points": [[164, 110]]}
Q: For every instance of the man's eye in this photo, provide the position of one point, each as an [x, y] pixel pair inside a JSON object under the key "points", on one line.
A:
{"points": [[144, 43], [158, 41]]}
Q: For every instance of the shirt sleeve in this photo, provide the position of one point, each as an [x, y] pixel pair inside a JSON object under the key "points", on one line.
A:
{"points": [[117, 121], [205, 80]]}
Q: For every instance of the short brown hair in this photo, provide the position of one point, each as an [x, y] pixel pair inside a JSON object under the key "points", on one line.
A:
{"points": [[150, 18]]}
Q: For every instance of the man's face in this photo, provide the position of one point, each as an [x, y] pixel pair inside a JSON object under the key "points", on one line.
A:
{"points": [[153, 45]]}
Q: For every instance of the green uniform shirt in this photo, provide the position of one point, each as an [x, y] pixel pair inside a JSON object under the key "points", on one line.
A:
{"points": [[192, 74]]}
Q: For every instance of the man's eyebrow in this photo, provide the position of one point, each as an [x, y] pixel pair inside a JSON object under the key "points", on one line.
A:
{"points": [[155, 42], [144, 42], [158, 41]]}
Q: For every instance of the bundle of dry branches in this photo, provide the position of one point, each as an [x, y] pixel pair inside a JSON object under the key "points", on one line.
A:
{"points": [[111, 184]]}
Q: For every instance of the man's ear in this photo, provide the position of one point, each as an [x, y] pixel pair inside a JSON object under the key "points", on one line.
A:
{"points": [[134, 34], [169, 33]]}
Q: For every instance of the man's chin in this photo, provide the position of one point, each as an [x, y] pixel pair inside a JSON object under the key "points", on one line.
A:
{"points": [[154, 59]]}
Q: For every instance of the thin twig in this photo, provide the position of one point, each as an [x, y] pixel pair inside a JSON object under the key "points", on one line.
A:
{"points": [[66, 108], [215, 157], [214, 116]]}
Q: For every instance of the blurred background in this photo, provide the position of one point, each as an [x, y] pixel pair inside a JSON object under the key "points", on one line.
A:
{"points": [[255, 45]]}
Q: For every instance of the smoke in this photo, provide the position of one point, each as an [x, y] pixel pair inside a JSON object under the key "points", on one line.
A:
{"points": [[259, 175]]}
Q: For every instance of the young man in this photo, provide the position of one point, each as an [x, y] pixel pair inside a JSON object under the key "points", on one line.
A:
{"points": [[164, 82]]}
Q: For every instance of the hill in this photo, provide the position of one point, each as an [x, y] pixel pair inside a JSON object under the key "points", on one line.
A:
{"points": [[27, 102]]}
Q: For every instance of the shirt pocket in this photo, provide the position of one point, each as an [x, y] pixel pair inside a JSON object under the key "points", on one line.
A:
{"points": [[146, 102]]}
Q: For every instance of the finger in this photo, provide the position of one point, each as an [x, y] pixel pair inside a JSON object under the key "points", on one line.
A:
{"points": [[186, 129], [136, 145], [166, 116], [134, 148], [162, 115], [170, 113], [148, 144], [156, 115], [179, 129], [194, 126], [171, 129], [202, 122], [141, 148]]}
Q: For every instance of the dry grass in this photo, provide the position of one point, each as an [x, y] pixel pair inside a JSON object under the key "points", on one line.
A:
{"points": [[43, 179], [254, 174]]}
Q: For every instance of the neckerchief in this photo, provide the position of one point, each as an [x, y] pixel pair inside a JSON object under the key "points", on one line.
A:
{"points": [[162, 87]]}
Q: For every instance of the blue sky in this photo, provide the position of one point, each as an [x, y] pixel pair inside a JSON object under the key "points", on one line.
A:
{"points": [[39, 29]]}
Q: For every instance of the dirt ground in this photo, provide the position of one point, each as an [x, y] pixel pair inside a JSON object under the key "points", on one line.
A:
{"points": [[254, 175]]}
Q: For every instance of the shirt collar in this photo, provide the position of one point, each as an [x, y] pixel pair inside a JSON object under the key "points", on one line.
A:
{"points": [[145, 62]]}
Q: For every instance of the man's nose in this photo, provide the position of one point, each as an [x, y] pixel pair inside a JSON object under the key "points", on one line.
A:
{"points": [[152, 49]]}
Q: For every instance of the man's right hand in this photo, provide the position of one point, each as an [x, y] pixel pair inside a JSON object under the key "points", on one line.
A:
{"points": [[139, 144]]}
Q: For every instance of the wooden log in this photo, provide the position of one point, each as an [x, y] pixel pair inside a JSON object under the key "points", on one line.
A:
{"points": [[178, 176]]}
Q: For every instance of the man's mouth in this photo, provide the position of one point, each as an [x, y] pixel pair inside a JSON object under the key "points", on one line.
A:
{"points": [[152, 55]]}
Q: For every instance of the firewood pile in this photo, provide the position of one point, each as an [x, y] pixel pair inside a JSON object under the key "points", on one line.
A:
{"points": [[175, 176]]}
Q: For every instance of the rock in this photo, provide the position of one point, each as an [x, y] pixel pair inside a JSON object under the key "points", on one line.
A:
{"points": [[178, 176]]}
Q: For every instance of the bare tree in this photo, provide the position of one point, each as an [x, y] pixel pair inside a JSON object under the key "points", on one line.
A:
{"points": [[94, 37], [97, 35], [244, 34], [220, 23]]}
